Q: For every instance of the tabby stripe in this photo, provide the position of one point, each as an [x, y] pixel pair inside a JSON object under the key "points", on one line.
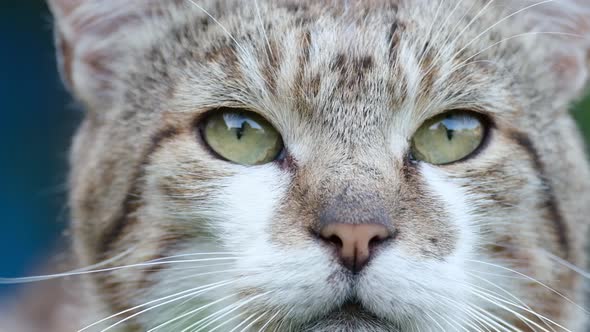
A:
{"points": [[305, 45], [393, 38], [551, 203], [131, 203], [270, 68]]}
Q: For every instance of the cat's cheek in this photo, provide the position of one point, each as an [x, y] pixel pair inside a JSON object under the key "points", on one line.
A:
{"points": [[247, 202], [414, 282], [460, 206]]}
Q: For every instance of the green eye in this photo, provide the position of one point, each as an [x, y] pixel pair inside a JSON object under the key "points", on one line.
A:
{"points": [[448, 138], [242, 137]]}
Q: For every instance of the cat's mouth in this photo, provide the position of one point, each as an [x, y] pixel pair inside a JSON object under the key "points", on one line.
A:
{"points": [[353, 308], [352, 316]]}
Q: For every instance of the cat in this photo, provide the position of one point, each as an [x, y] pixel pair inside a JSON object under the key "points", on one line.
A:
{"points": [[324, 165]]}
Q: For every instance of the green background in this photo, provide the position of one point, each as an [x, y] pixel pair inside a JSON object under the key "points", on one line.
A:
{"points": [[582, 114]]}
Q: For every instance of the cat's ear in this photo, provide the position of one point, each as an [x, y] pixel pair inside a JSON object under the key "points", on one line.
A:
{"points": [[563, 31], [93, 37]]}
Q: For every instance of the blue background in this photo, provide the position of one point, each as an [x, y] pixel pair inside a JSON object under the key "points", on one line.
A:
{"points": [[36, 123], [37, 120]]}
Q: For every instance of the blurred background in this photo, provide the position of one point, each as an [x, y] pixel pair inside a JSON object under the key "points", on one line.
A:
{"points": [[36, 123], [37, 120]]}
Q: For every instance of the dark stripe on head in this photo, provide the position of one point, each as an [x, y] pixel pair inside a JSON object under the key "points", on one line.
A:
{"points": [[393, 38], [551, 203], [132, 203], [271, 66], [306, 46], [338, 64], [303, 58]]}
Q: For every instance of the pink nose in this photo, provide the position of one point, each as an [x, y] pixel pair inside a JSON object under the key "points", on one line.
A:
{"points": [[355, 243]]}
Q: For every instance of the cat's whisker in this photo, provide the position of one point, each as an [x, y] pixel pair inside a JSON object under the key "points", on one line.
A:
{"points": [[91, 269], [473, 20], [451, 322], [500, 22], [473, 322], [4, 281], [190, 268], [255, 321], [585, 274], [138, 265], [533, 280], [523, 306], [486, 273], [224, 323], [211, 318], [546, 320], [269, 321], [415, 327], [232, 308], [217, 272], [254, 317], [172, 298], [438, 53], [434, 321], [509, 294], [475, 319], [435, 19], [450, 303], [484, 315], [228, 253], [283, 320], [531, 33], [489, 298], [264, 32], [219, 24], [240, 273], [192, 312], [492, 321]]}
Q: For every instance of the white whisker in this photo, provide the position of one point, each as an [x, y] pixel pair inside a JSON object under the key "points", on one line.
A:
{"points": [[499, 22], [219, 24], [197, 290], [534, 280], [192, 312]]}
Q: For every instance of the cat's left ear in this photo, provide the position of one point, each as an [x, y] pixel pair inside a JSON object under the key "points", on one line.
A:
{"points": [[563, 31], [94, 41]]}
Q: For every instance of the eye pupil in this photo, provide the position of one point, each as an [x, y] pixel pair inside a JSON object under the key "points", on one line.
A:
{"points": [[240, 130], [450, 133]]}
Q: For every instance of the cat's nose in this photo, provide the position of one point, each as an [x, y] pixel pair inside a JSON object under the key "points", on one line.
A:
{"points": [[354, 243]]}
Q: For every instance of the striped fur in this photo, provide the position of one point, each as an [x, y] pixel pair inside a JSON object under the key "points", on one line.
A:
{"points": [[346, 83]]}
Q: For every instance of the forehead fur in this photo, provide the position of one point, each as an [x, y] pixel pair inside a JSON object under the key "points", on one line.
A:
{"points": [[97, 47]]}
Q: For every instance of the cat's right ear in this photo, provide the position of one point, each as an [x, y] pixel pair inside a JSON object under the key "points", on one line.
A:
{"points": [[93, 41]]}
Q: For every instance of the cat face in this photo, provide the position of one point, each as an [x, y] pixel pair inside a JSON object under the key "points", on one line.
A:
{"points": [[329, 166]]}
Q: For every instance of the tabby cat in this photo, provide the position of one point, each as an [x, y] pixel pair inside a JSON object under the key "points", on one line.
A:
{"points": [[328, 165]]}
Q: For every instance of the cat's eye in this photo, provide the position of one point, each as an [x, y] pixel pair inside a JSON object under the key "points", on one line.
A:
{"points": [[242, 137], [449, 137]]}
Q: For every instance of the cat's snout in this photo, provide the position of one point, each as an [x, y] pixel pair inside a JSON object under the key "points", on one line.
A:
{"points": [[354, 244]]}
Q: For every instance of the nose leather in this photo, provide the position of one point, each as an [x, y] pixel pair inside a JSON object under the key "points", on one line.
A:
{"points": [[354, 242]]}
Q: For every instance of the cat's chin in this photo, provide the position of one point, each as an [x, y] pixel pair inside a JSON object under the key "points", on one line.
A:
{"points": [[351, 317]]}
